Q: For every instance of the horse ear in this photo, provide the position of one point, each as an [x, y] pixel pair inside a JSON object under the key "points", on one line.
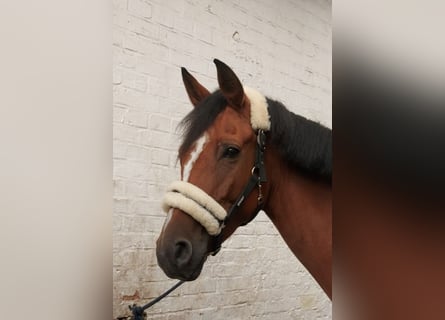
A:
{"points": [[230, 86], [195, 90]]}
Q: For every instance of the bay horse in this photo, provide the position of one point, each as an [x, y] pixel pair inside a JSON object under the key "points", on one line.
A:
{"points": [[242, 153]]}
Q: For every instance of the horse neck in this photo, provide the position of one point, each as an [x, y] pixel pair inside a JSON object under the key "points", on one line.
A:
{"points": [[301, 210]]}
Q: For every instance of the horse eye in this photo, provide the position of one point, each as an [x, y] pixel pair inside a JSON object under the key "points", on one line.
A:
{"points": [[230, 152]]}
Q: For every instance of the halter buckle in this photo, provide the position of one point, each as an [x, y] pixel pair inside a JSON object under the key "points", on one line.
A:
{"points": [[261, 139], [260, 193]]}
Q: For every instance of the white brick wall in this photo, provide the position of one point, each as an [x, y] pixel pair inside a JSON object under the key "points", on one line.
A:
{"points": [[282, 48]]}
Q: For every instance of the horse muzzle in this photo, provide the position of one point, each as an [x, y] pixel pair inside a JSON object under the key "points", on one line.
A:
{"points": [[182, 246], [180, 260]]}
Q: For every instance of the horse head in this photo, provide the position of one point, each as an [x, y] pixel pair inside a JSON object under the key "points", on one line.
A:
{"points": [[220, 158]]}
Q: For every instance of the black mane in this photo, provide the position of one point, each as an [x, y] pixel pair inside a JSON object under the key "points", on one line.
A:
{"points": [[304, 144]]}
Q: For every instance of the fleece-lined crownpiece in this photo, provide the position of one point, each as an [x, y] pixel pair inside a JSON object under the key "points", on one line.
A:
{"points": [[259, 115], [195, 201]]}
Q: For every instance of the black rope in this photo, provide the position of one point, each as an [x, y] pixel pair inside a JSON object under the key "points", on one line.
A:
{"points": [[138, 311]]}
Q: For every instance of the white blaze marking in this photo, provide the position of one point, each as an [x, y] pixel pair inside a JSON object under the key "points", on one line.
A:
{"points": [[199, 146], [167, 219]]}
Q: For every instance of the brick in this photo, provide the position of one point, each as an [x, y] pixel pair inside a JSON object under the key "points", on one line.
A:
{"points": [[158, 87], [203, 32], [119, 114], [129, 169], [117, 76], [161, 157], [137, 119], [184, 25], [134, 81], [164, 15], [145, 65], [140, 8], [158, 139], [119, 5], [125, 58], [134, 42], [142, 27]]}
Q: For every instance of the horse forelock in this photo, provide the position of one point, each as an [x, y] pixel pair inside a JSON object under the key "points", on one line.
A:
{"points": [[197, 121]]}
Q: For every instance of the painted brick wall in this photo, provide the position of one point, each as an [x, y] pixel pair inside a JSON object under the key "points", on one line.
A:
{"points": [[283, 49]]}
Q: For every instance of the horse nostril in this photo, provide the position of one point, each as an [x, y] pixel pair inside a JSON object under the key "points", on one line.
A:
{"points": [[183, 252]]}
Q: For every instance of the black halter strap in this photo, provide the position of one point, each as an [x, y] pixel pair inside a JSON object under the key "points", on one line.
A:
{"points": [[257, 177]]}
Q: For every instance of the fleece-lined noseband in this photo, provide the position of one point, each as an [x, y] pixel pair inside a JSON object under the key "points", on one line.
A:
{"points": [[201, 206]]}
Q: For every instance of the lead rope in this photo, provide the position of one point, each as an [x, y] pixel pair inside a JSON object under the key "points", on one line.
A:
{"points": [[138, 311], [258, 176]]}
